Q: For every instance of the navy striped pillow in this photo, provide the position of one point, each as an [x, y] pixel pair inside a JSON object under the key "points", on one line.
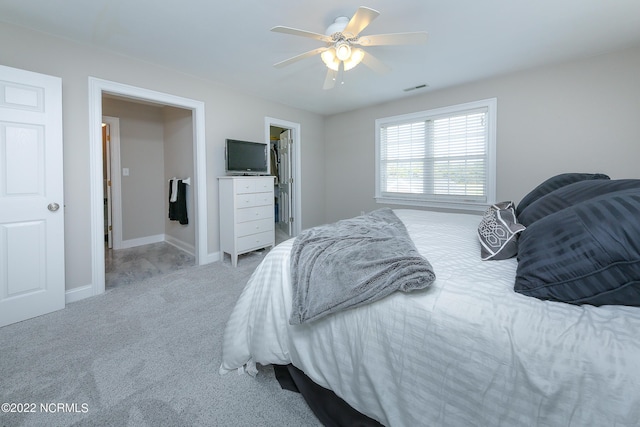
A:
{"points": [[571, 194], [585, 254], [554, 183]]}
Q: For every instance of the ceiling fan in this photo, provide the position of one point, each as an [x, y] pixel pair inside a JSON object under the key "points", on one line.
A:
{"points": [[341, 52]]}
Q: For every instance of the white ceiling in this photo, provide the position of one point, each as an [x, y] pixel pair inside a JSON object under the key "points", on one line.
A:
{"points": [[230, 41]]}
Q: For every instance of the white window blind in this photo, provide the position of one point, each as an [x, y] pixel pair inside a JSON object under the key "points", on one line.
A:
{"points": [[439, 156]]}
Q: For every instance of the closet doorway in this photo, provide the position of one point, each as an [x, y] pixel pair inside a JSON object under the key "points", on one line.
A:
{"points": [[99, 88], [148, 145], [284, 138]]}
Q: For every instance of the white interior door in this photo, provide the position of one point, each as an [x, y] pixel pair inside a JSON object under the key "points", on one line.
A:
{"points": [[285, 182], [106, 139], [31, 195]]}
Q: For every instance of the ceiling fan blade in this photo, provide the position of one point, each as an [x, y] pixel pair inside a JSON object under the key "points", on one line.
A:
{"points": [[359, 21], [330, 79], [301, 33], [299, 57], [393, 39], [375, 64]]}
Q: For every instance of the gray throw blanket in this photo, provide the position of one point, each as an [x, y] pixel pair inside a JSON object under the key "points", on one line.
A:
{"points": [[353, 262]]}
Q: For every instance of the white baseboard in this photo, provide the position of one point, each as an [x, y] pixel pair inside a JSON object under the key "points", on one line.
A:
{"points": [[190, 249], [77, 294], [212, 257], [132, 243]]}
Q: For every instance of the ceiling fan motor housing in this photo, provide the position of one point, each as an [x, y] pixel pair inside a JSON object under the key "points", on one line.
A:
{"points": [[339, 24]]}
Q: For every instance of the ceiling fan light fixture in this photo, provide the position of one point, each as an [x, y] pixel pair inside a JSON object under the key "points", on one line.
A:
{"points": [[355, 59], [343, 50], [330, 60]]}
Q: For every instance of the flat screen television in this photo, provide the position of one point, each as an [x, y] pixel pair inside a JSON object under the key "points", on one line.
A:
{"points": [[246, 158]]}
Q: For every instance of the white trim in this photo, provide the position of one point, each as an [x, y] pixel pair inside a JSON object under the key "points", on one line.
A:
{"points": [[141, 241], [212, 257], [77, 294], [297, 180], [183, 246], [469, 206], [491, 105], [96, 88]]}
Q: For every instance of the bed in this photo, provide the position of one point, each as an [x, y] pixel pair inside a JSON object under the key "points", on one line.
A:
{"points": [[466, 350]]}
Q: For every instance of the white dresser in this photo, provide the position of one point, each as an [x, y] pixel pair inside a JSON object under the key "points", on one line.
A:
{"points": [[247, 220]]}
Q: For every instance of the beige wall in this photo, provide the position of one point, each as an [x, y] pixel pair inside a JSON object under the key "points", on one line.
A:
{"points": [[156, 144], [229, 114], [178, 162], [142, 153], [580, 116]]}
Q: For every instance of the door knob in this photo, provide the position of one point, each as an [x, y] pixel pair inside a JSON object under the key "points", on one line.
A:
{"points": [[53, 207]]}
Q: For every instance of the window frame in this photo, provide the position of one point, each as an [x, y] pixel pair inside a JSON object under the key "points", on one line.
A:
{"points": [[445, 202]]}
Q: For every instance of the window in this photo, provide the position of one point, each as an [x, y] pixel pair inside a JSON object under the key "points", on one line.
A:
{"points": [[443, 157]]}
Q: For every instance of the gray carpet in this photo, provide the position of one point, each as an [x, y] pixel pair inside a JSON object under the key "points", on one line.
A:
{"points": [[142, 355]]}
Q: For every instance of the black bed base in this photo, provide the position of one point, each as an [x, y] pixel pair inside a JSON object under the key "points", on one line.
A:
{"points": [[330, 409]]}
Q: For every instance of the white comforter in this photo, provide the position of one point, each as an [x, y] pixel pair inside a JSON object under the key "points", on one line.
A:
{"points": [[467, 351]]}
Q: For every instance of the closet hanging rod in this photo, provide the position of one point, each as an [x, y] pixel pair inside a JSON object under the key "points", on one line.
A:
{"points": [[186, 180]]}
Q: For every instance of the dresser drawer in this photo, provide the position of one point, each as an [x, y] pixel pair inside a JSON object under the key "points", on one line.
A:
{"points": [[255, 241], [263, 199], [253, 199], [254, 227], [244, 186], [254, 185], [252, 214], [263, 185]]}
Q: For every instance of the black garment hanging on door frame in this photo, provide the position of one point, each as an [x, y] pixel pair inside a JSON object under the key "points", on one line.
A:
{"points": [[178, 208]]}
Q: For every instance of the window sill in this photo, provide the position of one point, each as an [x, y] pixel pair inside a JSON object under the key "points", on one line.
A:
{"points": [[471, 207]]}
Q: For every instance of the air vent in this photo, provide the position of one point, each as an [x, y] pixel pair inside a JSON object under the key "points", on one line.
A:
{"points": [[422, 86]]}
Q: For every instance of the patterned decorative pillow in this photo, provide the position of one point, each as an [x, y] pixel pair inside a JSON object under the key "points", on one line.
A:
{"points": [[498, 232]]}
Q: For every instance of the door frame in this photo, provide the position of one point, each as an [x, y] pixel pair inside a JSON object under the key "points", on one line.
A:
{"points": [[97, 87], [296, 147], [116, 195]]}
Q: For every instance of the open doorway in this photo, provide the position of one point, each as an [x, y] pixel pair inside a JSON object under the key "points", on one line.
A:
{"points": [[153, 143], [98, 88], [284, 138]]}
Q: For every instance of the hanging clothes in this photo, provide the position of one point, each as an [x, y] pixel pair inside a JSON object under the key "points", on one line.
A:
{"points": [[178, 201], [274, 160]]}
